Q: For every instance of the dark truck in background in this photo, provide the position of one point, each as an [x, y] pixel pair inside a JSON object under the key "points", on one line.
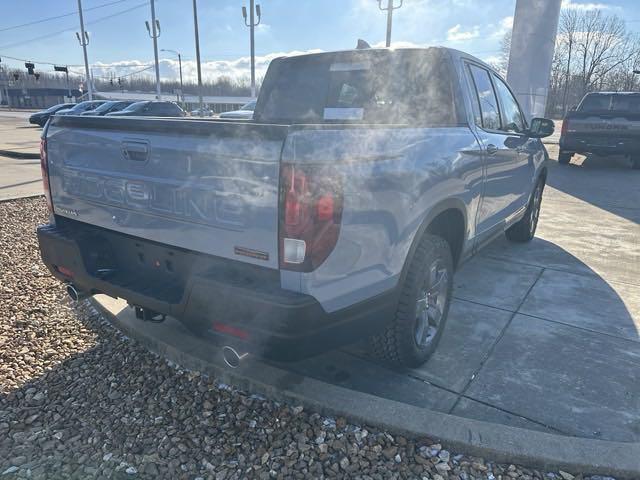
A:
{"points": [[604, 123]]}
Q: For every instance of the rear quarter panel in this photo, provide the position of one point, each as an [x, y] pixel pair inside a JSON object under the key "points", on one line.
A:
{"points": [[392, 179]]}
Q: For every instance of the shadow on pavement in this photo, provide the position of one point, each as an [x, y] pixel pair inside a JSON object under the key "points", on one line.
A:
{"points": [[608, 183]]}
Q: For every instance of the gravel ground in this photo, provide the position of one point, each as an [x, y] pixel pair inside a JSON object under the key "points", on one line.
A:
{"points": [[79, 400]]}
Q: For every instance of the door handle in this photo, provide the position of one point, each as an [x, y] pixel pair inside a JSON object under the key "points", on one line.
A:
{"points": [[492, 149]]}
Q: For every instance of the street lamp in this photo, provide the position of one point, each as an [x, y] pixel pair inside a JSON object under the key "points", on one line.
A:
{"points": [[179, 66]]}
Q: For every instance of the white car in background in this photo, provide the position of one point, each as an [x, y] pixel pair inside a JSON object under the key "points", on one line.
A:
{"points": [[245, 112]]}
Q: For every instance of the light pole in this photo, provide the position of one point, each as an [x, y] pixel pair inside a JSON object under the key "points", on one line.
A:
{"points": [[195, 27], [389, 9], [180, 68], [252, 24], [83, 38], [154, 32]]}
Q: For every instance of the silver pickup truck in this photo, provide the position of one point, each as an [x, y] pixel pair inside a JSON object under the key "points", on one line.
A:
{"points": [[339, 213]]}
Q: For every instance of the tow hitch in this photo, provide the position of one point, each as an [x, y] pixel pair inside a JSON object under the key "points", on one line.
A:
{"points": [[148, 315]]}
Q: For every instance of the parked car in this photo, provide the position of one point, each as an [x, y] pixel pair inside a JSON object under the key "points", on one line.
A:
{"points": [[108, 107], [150, 109], [81, 107], [340, 212], [40, 118], [605, 123], [245, 112]]}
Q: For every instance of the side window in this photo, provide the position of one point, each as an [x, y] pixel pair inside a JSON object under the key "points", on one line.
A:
{"points": [[512, 115], [490, 114]]}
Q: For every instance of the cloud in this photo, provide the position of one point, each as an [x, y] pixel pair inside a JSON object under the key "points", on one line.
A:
{"points": [[455, 33], [238, 69], [571, 5], [505, 25]]}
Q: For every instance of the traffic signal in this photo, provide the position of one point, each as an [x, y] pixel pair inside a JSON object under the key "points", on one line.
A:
{"points": [[16, 76], [30, 67], [61, 69]]}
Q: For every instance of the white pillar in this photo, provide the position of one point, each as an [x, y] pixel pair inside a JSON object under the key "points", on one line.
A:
{"points": [[535, 26]]}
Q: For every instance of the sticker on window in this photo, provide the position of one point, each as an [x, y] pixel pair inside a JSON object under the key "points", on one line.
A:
{"points": [[343, 113]]}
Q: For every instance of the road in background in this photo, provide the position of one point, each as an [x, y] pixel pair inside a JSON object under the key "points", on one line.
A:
{"points": [[19, 177]]}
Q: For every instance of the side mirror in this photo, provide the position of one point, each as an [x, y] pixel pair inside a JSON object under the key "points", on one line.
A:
{"points": [[541, 127]]}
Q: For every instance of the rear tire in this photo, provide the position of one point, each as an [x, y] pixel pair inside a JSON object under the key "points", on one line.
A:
{"points": [[413, 334], [525, 229], [564, 158]]}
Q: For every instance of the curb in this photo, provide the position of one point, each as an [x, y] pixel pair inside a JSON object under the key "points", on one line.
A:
{"points": [[19, 155], [500, 443]]}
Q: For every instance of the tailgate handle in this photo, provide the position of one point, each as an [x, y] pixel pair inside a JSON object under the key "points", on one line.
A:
{"points": [[136, 151]]}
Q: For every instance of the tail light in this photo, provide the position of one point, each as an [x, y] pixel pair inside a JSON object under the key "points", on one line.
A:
{"points": [[44, 168], [310, 215]]}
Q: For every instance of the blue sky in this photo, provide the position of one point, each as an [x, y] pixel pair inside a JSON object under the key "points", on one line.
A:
{"points": [[121, 44]]}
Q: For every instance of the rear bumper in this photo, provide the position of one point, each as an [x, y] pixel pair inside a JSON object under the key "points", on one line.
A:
{"points": [[233, 302], [602, 145]]}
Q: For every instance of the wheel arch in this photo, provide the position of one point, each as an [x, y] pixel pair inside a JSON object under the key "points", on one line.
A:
{"points": [[447, 219]]}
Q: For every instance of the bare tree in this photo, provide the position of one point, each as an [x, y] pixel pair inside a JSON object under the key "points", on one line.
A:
{"points": [[594, 51]]}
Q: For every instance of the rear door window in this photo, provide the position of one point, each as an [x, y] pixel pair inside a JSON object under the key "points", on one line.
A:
{"points": [[489, 111]]}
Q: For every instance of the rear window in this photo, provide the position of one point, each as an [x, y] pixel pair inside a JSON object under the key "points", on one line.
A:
{"points": [[612, 102], [401, 87]]}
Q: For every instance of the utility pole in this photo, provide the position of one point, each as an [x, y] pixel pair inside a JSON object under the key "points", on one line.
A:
{"points": [[179, 67], [195, 27], [568, 76], [252, 24], [154, 33], [389, 9], [83, 38]]}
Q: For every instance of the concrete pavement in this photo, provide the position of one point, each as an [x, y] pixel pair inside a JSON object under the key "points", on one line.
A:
{"points": [[19, 151], [17, 137]]}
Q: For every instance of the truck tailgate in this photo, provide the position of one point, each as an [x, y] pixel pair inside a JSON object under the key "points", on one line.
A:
{"points": [[604, 127], [205, 186]]}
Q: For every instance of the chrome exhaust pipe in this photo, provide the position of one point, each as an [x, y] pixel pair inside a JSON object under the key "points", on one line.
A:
{"points": [[74, 294], [231, 357]]}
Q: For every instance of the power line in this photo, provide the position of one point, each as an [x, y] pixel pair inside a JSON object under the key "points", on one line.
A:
{"points": [[53, 34], [42, 20], [2, 55]]}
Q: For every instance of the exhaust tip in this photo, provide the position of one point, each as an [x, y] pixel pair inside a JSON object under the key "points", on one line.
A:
{"points": [[231, 357], [74, 294]]}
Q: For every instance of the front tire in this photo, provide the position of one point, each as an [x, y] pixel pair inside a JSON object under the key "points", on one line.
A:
{"points": [[564, 157], [525, 229], [415, 331]]}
